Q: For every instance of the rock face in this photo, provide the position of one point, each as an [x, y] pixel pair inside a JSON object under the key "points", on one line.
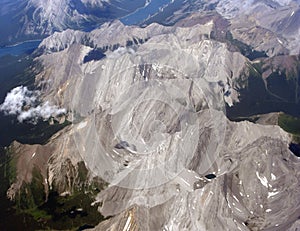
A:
{"points": [[148, 113]]}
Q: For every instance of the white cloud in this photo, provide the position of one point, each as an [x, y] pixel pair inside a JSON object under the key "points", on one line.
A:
{"points": [[24, 104], [119, 52]]}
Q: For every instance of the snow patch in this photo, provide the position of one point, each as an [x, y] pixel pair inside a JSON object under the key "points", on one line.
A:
{"points": [[82, 125], [271, 194], [273, 177], [263, 180], [279, 41]]}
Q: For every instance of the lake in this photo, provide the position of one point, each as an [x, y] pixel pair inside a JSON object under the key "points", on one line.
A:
{"points": [[26, 47]]}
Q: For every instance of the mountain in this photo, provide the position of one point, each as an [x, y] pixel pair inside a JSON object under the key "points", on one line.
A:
{"points": [[37, 18], [148, 114], [273, 22], [164, 125], [30, 19], [114, 40]]}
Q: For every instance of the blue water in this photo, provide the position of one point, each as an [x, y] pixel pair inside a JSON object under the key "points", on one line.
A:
{"points": [[26, 47], [142, 14]]}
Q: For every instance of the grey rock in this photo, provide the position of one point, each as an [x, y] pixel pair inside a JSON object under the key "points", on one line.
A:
{"points": [[164, 101]]}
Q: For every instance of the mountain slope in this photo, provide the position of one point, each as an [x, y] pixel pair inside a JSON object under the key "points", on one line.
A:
{"points": [[273, 22]]}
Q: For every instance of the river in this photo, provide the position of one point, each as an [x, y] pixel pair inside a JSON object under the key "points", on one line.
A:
{"points": [[143, 13]]}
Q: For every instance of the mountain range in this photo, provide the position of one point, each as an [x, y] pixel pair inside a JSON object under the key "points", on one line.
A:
{"points": [[36, 19], [171, 124]]}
